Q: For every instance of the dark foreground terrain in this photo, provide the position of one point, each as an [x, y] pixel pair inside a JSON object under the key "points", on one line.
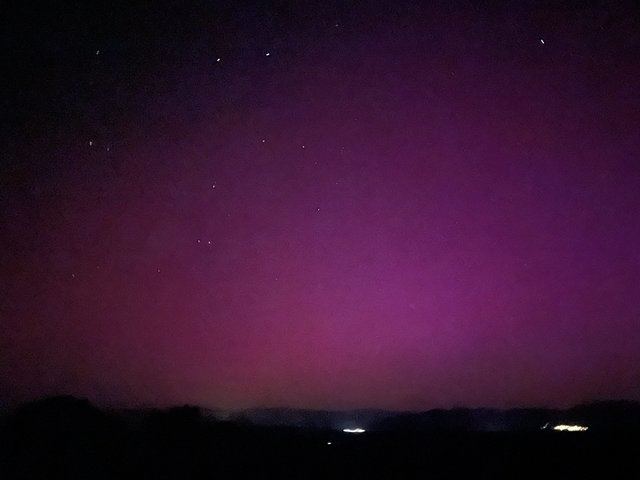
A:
{"points": [[69, 438]]}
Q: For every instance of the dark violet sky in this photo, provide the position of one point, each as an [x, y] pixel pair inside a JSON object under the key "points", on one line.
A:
{"points": [[360, 204]]}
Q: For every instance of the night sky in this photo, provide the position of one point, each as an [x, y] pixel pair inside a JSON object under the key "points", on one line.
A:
{"points": [[321, 204]]}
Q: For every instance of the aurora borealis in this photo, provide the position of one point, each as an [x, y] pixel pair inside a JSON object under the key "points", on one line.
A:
{"points": [[321, 204]]}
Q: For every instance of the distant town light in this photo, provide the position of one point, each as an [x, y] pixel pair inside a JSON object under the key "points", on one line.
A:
{"points": [[353, 430], [570, 428]]}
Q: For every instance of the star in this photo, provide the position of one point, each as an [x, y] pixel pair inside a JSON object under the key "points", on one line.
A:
{"points": [[218, 59]]}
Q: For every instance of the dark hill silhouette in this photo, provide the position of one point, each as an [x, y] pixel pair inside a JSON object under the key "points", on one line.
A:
{"points": [[69, 438], [603, 416], [63, 436]]}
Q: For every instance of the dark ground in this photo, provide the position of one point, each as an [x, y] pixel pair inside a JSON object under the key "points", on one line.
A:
{"points": [[69, 438]]}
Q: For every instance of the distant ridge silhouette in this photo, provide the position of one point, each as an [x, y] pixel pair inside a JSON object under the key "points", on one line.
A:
{"points": [[67, 437]]}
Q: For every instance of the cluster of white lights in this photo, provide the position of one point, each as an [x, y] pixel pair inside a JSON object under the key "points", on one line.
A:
{"points": [[570, 428], [353, 430]]}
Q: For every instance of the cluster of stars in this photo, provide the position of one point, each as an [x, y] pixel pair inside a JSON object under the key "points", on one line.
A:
{"points": [[263, 140], [213, 186]]}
